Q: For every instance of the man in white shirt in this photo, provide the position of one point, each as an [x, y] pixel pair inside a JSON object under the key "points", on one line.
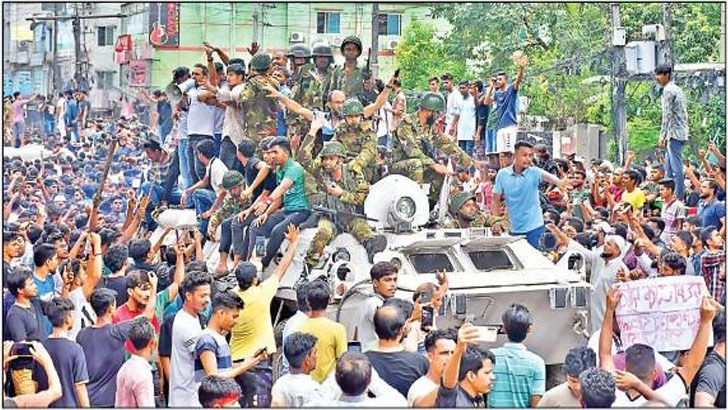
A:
{"points": [[440, 346], [186, 329], [465, 118], [200, 121], [206, 194], [297, 387], [61, 115], [453, 103]]}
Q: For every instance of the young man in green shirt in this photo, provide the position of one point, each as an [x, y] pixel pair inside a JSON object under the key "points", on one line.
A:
{"points": [[289, 194]]}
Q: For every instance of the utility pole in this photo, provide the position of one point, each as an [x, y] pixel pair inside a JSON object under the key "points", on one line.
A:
{"points": [[619, 85], [722, 34], [77, 43], [374, 62], [667, 44]]}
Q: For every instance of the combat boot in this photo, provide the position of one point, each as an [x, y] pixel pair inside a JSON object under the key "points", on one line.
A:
{"points": [[374, 246]]}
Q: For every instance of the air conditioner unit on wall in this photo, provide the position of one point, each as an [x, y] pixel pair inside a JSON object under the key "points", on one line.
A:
{"points": [[392, 44], [296, 37], [336, 42]]}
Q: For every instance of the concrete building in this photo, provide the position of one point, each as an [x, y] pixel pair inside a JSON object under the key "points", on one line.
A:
{"points": [[233, 26]]}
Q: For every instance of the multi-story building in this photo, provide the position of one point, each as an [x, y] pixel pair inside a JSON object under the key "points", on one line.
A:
{"points": [[183, 27]]}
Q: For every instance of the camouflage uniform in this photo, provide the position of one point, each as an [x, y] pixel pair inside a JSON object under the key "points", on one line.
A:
{"points": [[352, 82], [361, 146], [407, 157], [231, 205], [481, 219], [260, 110], [355, 189]]}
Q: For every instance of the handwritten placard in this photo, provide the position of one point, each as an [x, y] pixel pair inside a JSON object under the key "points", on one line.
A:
{"points": [[663, 312]]}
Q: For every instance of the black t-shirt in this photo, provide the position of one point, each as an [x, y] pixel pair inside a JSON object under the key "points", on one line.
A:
{"points": [[399, 369], [118, 285], [103, 348], [25, 323], [70, 363], [165, 336], [710, 379], [251, 172]]}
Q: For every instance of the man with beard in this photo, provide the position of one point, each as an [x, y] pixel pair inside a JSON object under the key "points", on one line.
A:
{"points": [[200, 121], [233, 125], [712, 261], [606, 265], [710, 209], [350, 79], [580, 193], [340, 189], [464, 213], [440, 345]]}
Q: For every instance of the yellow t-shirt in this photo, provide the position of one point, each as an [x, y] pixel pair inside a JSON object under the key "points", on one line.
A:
{"points": [[330, 346], [254, 327], [635, 198]]}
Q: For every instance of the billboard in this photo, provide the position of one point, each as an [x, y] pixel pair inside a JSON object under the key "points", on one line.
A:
{"points": [[164, 24]]}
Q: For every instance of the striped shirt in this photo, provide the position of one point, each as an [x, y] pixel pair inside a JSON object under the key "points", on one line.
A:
{"points": [[519, 374], [672, 213], [710, 266], [674, 113]]}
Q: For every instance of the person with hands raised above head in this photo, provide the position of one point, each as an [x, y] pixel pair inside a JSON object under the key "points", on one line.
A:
{"points": [[640, 372], [468, 374], [42, 398]]}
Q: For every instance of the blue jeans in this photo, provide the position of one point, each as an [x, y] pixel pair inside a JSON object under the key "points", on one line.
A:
{"points": [[217, 138], [467, 146], [184, 165], [275, 229], [490, 141], [197, 168], [226, 234], [228, 153], [240, 241], [534, 236], [49, 126], [156, 198], [674, 166], [201, 200]]}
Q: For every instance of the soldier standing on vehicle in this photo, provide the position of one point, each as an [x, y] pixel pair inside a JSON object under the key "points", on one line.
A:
{"points": [[260, 111], [464, 213], [358, 137], [315, 96], [350, 79], [345, 191], [301, 71]]}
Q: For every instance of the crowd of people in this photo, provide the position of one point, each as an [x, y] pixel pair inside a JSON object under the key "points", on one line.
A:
{"points": [[96, 314]]}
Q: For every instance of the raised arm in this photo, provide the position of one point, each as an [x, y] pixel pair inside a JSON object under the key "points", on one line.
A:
{"points": [[606, 359], [295, 107], [292, 236], [370, 109], [95, 267], [695, 357]]}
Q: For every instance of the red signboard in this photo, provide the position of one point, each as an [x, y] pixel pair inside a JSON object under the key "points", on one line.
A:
{"points": [[164, 24], [123, 43]]}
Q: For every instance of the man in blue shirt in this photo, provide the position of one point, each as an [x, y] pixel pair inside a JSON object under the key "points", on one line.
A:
{"points": [[518, 183], [506, 100], [710, 210], [71, 116]]}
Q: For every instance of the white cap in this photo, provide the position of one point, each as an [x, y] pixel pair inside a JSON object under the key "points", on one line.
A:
{"points": [[59, 198]]}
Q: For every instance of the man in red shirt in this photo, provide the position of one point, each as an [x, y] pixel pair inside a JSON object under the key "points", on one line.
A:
{"points": [[141, 286]]}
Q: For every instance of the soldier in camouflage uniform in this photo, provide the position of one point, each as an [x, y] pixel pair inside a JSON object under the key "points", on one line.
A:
{"points": [[260, 110], [301, 73], [233, 203], [410, 152], [342, 190], [350, 79], [317, 94], [464, 213], [358, 138]]}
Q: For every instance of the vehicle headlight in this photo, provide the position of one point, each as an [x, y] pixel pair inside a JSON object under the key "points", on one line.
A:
{"points": [[404, 209], [341, 254]]}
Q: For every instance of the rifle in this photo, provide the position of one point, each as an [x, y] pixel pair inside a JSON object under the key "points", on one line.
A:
{"points": [[332, 212], [368, 71], [100, 190]]}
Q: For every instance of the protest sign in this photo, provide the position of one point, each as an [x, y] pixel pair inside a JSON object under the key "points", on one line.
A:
{"points": [[663, 312]]}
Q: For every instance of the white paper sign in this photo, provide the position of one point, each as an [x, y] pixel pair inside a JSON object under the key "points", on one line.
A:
{"points": [[663, 312]]}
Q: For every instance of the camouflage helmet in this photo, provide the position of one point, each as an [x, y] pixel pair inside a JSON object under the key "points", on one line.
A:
{"points": [[458, 201], [264, 144], [353, 40], [352, 106], [231, 179], [322, 49], [433, 102], [333, 148], [299, 50], [260, 62]]}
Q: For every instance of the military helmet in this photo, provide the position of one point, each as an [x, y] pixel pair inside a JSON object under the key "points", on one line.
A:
{"points": [[264, 144], [333, 148], [352, 106], [322, 49], [231, 179], [260, 62], [433, 102], [299, 50], [458, 201], [353, 40]]}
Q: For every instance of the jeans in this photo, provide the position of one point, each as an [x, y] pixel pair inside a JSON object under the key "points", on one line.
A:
{"points": [[156, 198], [201, 200], [275, 228], [534, 236], [217, 138], [490, 141], [184, 165], [18, 131], [226, 234], [228, 153], [239, 239], [197, 168], [49, 125], [466, 146], [674, 166]]}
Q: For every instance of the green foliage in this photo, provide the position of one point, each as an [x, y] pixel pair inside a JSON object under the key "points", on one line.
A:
{"points": [[420, 55]]}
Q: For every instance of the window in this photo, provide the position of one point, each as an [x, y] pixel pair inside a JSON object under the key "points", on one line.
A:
{"points": [[490, 260], [106, 80], [327, 22], [390, 24], [431, 262], [105, 36]]}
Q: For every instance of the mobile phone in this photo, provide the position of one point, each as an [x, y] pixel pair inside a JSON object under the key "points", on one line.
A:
{"points": [[21, 349], [260, 245], [260, 351], [426, 297], [354, 346], [487, 334], [460, 304], [396, 73], [428, 316]]}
